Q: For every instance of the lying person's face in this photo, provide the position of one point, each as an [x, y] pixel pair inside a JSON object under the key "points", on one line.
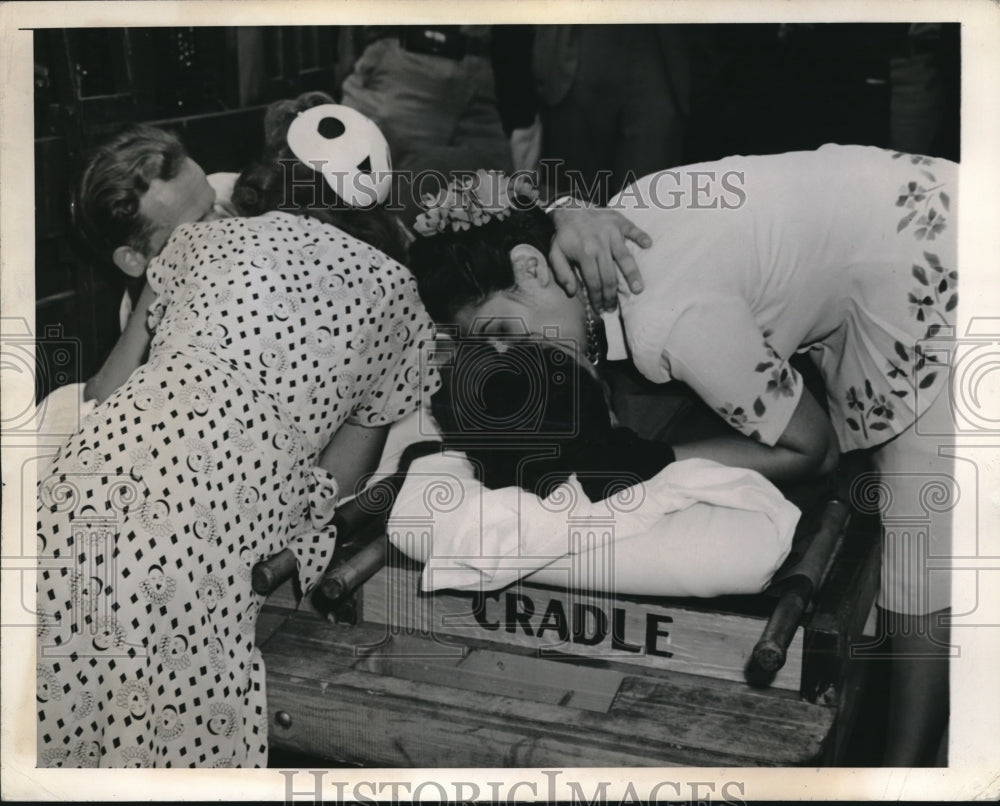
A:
{"points": [[536, 307], [169, 203]]}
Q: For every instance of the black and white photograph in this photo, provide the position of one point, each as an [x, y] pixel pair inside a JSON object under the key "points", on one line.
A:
{"points": [[588, 402]]}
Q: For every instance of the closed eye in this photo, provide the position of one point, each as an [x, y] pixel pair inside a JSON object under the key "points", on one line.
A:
{"points": [[502, 326]]}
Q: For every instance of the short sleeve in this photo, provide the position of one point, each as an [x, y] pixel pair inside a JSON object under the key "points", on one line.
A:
{"points": [[716, 348], [407, 378]]}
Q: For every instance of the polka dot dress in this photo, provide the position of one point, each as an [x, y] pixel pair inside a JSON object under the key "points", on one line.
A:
{"points": [[270, 334]]}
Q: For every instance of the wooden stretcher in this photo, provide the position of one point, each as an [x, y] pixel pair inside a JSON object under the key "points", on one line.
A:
{"points": [[370, 671]]}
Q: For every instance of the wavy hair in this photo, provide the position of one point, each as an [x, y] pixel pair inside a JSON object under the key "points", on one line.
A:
{"points": [[458, 269], [118, 173]]}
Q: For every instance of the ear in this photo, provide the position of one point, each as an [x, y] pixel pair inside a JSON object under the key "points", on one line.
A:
{"points": [[529, 263], [129, 260]]}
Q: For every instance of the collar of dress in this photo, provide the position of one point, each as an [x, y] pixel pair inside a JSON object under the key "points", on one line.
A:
{"points": [[614, 334]]}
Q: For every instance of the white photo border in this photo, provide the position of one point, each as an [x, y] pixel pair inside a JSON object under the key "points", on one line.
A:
{"points": [[974, 771]]}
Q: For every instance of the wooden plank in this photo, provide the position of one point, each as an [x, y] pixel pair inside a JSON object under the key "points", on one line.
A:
{"points": [[411, 658], [370, 725], [313, 634], [551, 621], [559, 683], [269, 621], [499, 673], [786, 733], [340, 710]]}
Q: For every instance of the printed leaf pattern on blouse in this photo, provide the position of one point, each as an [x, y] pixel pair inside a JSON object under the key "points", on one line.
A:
{"points": [[933, 295], [924, 200], [782, 382], [873, 411]]}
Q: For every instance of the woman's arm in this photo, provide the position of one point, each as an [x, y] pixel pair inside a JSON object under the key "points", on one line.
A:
{"points": [[128, 353], [807, 447], [352, 454], [716, 347]]}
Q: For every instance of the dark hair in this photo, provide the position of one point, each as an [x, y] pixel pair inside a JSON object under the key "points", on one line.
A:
{"points": [[118, 173], [457, 269], [280, 114], [531, 415], [279, 181]]}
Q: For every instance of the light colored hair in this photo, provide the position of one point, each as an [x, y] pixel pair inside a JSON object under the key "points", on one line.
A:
{"points": [[117, 175]]}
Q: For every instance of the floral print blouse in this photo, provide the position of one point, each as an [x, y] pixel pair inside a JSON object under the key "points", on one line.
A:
{"points": [[847, 253]]}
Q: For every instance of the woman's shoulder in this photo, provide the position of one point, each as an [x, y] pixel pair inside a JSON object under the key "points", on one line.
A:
{"points": [[317, 239]]}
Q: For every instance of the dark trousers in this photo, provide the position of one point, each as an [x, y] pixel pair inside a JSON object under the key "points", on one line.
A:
{"points": [[624, 114]]}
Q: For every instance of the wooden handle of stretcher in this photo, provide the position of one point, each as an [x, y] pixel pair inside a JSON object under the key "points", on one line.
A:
{"points": [[268, 574], [373, 502], [357, 569], [770, 651]]}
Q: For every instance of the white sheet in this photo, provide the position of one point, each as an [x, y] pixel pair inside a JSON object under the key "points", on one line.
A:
{"points": [[696, 529], [57, 418]]}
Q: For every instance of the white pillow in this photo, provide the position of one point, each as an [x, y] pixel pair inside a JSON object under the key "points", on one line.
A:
{"points": [[697, 528]]}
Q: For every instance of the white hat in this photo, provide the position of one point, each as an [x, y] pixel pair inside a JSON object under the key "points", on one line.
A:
{"points": [[349, 150]]}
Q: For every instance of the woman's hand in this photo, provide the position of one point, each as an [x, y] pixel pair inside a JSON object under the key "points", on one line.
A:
{"points": [[594, 239]]}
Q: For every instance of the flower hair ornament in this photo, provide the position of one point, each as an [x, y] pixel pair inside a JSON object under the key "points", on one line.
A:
{"points": [[475, 200], [347, 148]]}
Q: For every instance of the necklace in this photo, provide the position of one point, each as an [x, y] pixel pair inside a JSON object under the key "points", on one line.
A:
{"points": [[593, 341]]}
